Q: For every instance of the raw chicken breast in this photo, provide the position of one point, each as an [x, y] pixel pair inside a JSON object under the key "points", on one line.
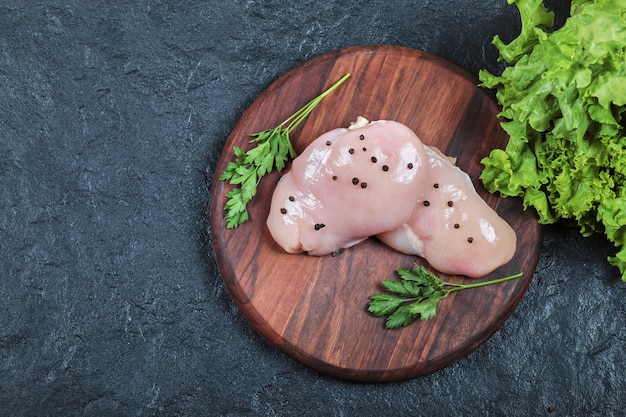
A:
{"points": [[378, 179], [347, 185], [451, 225]]}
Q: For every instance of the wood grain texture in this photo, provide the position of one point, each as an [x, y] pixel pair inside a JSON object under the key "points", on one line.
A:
{"points": [[315, 308]]}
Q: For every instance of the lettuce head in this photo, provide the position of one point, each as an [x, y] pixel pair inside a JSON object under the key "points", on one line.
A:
{"points": [[563, 105]]}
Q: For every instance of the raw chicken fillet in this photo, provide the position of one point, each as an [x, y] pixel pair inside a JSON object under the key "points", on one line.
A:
{"points": [[378, 179]]}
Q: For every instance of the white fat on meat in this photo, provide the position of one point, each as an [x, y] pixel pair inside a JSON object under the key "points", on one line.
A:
{"points": [[451, 226], [347, 185], [378, 179]]}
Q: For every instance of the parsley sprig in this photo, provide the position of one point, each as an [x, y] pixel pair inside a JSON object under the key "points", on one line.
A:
{"points": [[417, 294], [273, 149]]}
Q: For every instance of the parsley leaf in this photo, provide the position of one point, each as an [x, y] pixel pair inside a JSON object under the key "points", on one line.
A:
{"points": [[273, 149], [417, 295]]}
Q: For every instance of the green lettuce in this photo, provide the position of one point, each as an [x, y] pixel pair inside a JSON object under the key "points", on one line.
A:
{"points": [[563, 104]]}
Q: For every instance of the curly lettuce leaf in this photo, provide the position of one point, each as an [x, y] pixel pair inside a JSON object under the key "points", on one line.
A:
{"points": [[563, 104], [535, 17]]}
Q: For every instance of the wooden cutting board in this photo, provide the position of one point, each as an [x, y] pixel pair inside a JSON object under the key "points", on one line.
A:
{"points": [[315, 308]]}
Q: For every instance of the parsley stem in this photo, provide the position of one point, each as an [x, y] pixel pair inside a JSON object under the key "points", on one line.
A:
{"points": [[295, 119], [458, 287]]}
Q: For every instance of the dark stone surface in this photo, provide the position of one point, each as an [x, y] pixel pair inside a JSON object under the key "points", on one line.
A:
{"points": [[112, 117]]}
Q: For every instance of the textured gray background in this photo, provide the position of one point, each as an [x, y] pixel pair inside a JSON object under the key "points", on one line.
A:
{"points": [[112, 117]]}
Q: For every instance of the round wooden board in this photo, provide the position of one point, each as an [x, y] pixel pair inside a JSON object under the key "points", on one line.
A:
{"points": [[315, 308]]}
